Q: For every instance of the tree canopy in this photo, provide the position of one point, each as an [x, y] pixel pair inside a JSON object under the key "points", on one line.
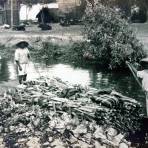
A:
{"points": [[110, 40]]}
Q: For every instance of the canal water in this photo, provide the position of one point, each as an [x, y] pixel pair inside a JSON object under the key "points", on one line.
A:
{"points": [[122, 82]]}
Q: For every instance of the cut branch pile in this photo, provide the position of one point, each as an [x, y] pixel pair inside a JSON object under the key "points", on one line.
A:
{"points": [[51, 113]]}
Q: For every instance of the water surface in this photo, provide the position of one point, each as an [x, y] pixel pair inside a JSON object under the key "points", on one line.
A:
{"points": [[122, 82]]}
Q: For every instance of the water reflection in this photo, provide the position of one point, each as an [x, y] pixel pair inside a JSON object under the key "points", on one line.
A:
{"points": [[4, 72], [70, 74], [86, 76]]}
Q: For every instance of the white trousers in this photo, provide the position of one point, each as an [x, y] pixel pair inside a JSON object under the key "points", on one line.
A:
{"points": [[24, 69], [146, 94]]}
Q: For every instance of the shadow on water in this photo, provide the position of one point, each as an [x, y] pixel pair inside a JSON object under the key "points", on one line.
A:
{"points": [[87, 75], [4, 72]]}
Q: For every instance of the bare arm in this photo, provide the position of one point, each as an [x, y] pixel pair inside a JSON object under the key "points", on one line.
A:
{"points": [[17, 59], [28, 55], [19, 66]]}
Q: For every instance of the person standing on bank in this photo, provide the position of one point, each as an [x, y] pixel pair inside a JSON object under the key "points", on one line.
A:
{"points": [[143, 74], [22, 57]]}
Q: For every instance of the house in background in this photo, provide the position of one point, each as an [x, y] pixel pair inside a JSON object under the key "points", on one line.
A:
{"points": [[5, 12], [56, 9], [75, 7], [65, 5]]}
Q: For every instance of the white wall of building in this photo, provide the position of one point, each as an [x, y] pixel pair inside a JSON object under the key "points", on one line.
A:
{"points": [[31, 12]]}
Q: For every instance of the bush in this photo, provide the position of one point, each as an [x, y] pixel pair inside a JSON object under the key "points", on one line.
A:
{"points": [[76, 51], [6, 52], [48, 50], [112, 41]]}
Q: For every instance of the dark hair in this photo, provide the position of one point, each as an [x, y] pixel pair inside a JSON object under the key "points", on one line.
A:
{"points": [[22, 44], [144, 65]]}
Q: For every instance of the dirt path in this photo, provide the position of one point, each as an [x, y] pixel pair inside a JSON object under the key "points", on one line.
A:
{"points": [[58, 34], [61, 35]]}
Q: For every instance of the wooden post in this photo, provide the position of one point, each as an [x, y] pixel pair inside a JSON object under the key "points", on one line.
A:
{"points": [[133, 70], [11, 13]]}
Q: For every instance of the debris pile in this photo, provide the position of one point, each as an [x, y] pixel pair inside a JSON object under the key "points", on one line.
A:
{"points": [[52, 113]]}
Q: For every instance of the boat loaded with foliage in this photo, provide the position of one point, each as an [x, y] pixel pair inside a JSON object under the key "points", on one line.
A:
{"points": [[49, 112]]}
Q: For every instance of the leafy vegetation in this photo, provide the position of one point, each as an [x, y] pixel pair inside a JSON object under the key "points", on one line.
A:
{"points": [[49, 51], [6, 52], [111, 40]]}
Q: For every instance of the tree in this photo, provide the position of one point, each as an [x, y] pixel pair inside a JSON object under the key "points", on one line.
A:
{"points": [[112, 42]]}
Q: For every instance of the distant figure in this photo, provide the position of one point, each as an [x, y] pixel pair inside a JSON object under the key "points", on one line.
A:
{"points": [[22, 57], [44, 16], [44, 19]]}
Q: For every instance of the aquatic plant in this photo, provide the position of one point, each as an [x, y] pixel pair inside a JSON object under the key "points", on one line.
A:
{"points": [[6, 52], [47, 50]]}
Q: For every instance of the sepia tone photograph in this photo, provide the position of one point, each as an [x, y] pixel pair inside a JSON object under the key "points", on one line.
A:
{"points": [[73, 73]]}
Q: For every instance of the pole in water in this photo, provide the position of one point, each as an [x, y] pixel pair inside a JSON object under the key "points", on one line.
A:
{"points": [[134, 74], [146, 95]]}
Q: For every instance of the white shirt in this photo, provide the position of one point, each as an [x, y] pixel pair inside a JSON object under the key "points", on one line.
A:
{"points": [[144, 75], [21, 55]]}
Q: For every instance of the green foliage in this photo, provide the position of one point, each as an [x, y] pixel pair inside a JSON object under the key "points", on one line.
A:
{"points": [[76, 51], [48, 51], [112, 41], [6, 52]]}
